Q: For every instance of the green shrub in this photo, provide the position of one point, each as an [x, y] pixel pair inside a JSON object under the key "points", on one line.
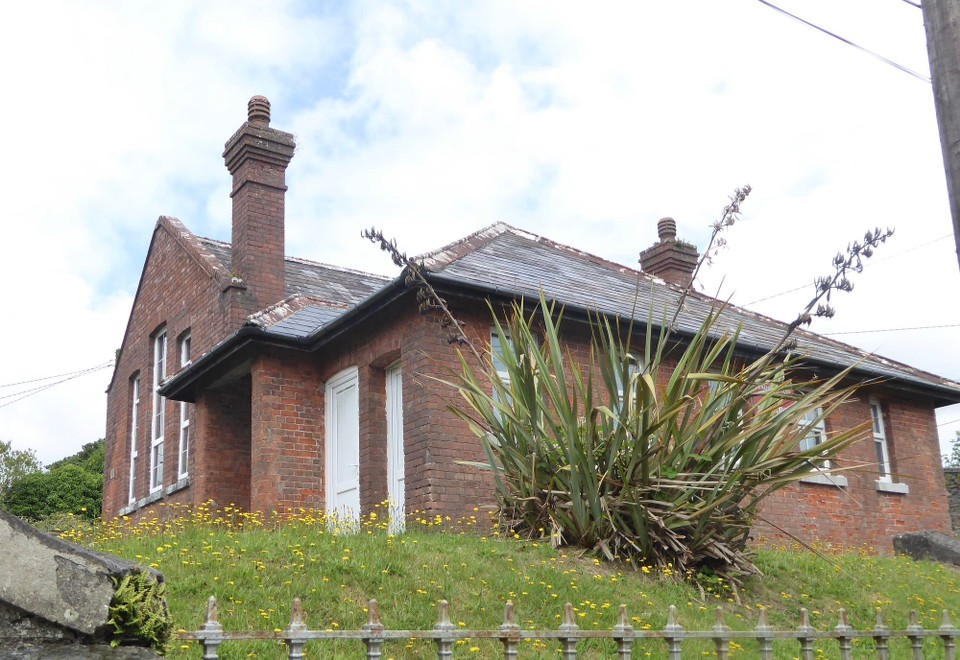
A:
{"points": [[662, 455], [66, 489]]}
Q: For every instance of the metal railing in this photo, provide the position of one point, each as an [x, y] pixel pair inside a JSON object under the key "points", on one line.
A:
{"points": [[446, 635]]}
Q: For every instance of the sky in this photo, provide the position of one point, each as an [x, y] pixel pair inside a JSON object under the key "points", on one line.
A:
{"points": [[581, 122]]}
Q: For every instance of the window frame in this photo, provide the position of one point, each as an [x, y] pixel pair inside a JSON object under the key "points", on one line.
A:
{"points": [[884, 470], [183, 449], [158, 416], [815, 423], [134, 433], [885, 482], [496, 337]]}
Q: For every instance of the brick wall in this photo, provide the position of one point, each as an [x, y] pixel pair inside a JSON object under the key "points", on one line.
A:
{"points": [[259, 441], [174, 263], [860, 514]]}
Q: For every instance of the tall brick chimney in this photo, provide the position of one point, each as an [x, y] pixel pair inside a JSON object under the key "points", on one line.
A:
{"points": [[670, 259], [257, 156]]}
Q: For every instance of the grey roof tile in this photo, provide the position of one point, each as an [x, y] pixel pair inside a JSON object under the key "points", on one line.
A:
{"points": [[514, 262], [329, 283], [517, 263]]}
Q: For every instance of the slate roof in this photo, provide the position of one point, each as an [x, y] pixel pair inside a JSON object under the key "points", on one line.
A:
{"points": [[506, 260], [503, 260], [332, 284]]}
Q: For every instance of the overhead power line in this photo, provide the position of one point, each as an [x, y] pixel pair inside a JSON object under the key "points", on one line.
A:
{"points": [[950, 422], [913, 4], [883, 59], [918, 327], [23, 394], [69, 373], [872, 262]]}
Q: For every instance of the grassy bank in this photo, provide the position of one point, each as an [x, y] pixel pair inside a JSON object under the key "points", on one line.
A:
{"points": [[256, 565]]}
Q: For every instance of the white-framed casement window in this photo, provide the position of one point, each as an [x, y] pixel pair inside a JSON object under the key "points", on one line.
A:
{"points": [[134, 426], [158, 416], [885, 481], [184, 448], [880, 441], [500, 342], [816, 434]]}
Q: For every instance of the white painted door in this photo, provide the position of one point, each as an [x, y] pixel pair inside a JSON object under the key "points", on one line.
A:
{"points": [[395, 469], [343, 447]]}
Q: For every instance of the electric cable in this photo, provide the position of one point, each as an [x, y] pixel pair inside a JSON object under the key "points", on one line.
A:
{"points": [[865, 264], [911, 72], [69, 373], [23, 394], [863, 332]]}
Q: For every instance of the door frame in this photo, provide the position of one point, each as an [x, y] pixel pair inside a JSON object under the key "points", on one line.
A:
{"points": [[340, 382]]}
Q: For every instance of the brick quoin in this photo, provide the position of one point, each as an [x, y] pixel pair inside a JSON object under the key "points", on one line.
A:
{"points": [[258, 436]]}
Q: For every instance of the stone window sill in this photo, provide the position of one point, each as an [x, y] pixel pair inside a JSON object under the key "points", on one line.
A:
{"points": [[826, 479], [182, 483], [155, 496], [893, 487]]}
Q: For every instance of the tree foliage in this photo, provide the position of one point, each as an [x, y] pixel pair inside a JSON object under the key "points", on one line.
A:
{"points": [[952, 460], [15, 464], [71, 485]]}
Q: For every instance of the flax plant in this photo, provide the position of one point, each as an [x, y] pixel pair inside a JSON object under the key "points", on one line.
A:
{"points": [[661, 456]]}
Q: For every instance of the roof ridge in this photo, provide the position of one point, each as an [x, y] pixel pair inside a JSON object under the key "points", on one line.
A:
{"points": [[448, 254], [452, 252]]}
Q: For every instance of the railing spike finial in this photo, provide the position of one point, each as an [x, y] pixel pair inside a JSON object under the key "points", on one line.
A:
{"points": [[945, 622], [622, 615], [762, 623], [443, 608], [880, 618], [568, 618], [842, 619], [509, 616], [373, 612], [718, 618], [296, 613], [212, 615], [914, 621], [804, 617]]}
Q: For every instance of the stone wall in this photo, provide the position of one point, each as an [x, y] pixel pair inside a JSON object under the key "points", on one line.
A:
{"points": [[952, 477]]}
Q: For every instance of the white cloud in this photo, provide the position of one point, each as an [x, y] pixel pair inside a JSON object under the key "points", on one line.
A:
{"points": [[585, 123]]}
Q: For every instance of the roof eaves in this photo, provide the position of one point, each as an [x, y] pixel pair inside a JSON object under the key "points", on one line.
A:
{"points": [[234, 349], [915, 380]]}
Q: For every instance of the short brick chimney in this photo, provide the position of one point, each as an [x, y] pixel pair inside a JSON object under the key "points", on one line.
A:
{"points": [[257, 156], [670, 259]]}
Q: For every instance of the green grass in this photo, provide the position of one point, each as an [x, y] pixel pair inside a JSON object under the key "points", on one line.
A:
{"points": [[256, 566]]}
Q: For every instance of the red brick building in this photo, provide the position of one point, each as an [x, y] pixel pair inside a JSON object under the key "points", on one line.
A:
{"points": [[267, 382]]}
